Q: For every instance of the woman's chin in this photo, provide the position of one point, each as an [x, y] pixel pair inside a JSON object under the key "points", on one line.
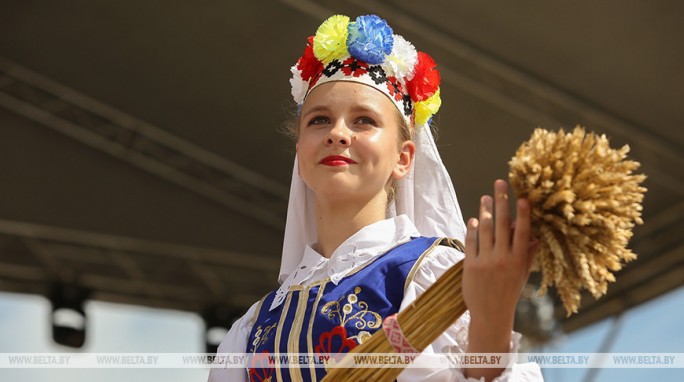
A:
{"points": [[348, 194], [336, 191]]}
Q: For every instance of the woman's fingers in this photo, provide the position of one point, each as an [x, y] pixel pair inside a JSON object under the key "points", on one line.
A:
{"points": [[503, 216], [471, 239], [493, 233], [521, 237], [485, 232]]}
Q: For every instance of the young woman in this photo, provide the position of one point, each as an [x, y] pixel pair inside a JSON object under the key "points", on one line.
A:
{"points": [[370, 206]]}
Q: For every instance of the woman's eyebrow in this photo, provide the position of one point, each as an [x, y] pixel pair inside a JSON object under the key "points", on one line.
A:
{"points": [[365, 109], [315, 109], [355, 109]]}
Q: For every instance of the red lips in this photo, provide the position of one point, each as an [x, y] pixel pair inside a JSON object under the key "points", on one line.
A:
{"points": [[336, 160]]}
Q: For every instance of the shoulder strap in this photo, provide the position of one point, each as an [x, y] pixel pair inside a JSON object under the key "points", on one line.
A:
{"points": [[257, 310], [449, 242], [453, 243]]}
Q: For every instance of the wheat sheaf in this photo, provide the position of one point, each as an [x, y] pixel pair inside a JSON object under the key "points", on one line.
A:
{"points": [[585, 199]]}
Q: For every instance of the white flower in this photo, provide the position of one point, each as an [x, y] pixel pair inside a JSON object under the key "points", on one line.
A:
{"points": [[299, 86], [403, 59]]}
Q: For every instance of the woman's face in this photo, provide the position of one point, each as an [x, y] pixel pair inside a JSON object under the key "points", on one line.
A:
{"points": [[349, 145]]}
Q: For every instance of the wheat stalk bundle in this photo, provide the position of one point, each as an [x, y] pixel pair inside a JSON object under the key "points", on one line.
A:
{"points": [[585, 201]]}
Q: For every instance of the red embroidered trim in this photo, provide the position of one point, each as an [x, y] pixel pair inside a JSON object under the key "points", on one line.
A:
{"points": [[395, 336]]}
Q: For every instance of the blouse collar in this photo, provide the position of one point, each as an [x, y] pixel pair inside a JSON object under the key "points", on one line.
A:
{"points": [[369, 242]]}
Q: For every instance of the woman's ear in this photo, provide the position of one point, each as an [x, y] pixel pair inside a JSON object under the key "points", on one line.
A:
{"points": [[406, 156]]}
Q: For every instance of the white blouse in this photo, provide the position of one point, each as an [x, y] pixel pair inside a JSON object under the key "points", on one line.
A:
{"points": [[368, 243]]}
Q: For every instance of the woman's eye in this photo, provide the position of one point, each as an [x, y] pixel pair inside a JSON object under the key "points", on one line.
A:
{"points": [[366, 121], [318, 120]]}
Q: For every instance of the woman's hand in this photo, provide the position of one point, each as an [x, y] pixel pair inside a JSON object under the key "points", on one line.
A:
{"points": [[496, 267]]}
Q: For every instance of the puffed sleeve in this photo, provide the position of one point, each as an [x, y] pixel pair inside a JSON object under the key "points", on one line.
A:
{"points": [[455, 339], [235, 341]]}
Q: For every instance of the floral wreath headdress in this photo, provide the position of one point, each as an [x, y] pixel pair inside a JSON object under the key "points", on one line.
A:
{"points": [[367, 51]]}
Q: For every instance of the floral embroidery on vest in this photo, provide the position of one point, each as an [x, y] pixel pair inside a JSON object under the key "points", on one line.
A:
{"points": [[362, 319], [260, 369], [348, 310], [258, 339], [333, 345]]}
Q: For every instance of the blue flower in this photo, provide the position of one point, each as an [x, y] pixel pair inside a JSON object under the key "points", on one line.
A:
{"points": [[370, 39]]}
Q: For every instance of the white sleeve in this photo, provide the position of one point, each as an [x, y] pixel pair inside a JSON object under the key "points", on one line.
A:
{"points": [[455, 339], [235, 341]]}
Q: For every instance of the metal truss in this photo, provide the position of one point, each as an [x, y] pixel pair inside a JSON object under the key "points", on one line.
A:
{"points": [[126, 270], [143, 145]]}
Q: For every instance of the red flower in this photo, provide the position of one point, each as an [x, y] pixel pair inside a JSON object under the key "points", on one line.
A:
{"points": [[261, 369], [353, 67], [394, 88], [308, 63], [334, 342], [426, 80]]}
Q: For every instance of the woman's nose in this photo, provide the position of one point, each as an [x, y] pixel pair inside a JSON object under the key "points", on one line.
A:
{"points": [[339, 134]]}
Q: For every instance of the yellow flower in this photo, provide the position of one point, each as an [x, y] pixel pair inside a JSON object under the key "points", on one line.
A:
{"points": [[426, 109], [330, 42], [347, 309]]}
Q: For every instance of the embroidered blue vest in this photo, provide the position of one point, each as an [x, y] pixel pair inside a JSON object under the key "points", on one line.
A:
{"points": [[324, 318]]}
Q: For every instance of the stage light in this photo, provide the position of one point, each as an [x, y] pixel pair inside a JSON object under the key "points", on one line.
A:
{"points": [[217, 320], [68, 316]]}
